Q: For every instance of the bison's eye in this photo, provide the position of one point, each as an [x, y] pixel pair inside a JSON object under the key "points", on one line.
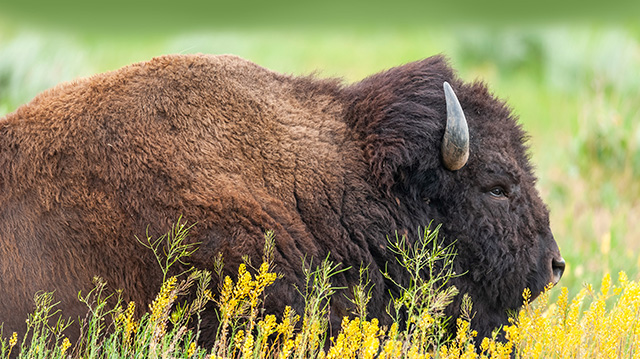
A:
{"points": [[498, 192]]}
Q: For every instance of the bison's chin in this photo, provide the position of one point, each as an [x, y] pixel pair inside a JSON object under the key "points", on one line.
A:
{"points": [[555, 271], [490, 317], [555, 274]]}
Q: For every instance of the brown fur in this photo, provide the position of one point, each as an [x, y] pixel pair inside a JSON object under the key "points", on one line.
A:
{"points": [[88, 165]]}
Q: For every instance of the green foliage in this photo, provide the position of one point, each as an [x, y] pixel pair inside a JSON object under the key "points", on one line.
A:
{"points": [[429, 266], [317, 294], [41, 339], [361, 293], [46, 339], [607, 147], [173, 245], [31, 63]]}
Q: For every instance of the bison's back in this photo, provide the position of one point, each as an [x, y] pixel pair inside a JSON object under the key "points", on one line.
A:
{"points": [[217, 139], [192, 121]]}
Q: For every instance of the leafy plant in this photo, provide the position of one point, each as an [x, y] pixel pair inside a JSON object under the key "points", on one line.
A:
{"points": [[171, 248], [429, 266]]}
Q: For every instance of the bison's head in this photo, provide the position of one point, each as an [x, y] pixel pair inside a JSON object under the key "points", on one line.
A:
{"points": [[478, 183], [492, 208]]}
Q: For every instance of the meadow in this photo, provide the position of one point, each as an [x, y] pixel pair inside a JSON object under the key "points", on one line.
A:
{"points": [[576, 89]]}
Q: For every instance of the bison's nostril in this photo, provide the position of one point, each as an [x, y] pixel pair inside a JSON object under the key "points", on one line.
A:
{"points": [[558, 268]]}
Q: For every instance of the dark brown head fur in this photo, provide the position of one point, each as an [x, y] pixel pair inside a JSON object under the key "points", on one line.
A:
{"points": [[88, 165]]}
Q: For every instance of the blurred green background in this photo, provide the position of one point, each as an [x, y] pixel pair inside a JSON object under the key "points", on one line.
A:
{"points": [[574, 84]]}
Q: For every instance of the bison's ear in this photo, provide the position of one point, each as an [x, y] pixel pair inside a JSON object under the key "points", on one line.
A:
{"points": [[386, 158], [408, 143]]}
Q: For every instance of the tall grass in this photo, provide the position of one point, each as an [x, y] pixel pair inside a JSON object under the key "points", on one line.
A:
{"points": [[609, 326]]}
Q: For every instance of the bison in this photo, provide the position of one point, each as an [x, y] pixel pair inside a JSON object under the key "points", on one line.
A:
{"points": [[331, 168]]}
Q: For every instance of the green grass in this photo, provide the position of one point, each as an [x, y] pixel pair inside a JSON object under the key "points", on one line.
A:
{"points": [[575, 88]]}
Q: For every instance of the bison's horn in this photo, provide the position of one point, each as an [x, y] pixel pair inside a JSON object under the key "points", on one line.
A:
{"points": [[455, 144]]}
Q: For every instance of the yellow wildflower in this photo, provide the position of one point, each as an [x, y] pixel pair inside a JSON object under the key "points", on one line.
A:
{"points": [[287, 348], [237, 340], [268, 325], [264, 277], [526, 295], [13, 340], [191, 350], [247, 348], [606, 285], [65, 345], [126, 322], [160, 306], [288, 322]]}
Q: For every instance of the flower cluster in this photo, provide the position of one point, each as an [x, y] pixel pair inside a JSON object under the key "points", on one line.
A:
{"points": [[563, 330], [357, 339], [126, 323]]}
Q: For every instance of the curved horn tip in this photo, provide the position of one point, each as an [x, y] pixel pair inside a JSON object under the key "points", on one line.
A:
{"points": [[455, 144]]}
